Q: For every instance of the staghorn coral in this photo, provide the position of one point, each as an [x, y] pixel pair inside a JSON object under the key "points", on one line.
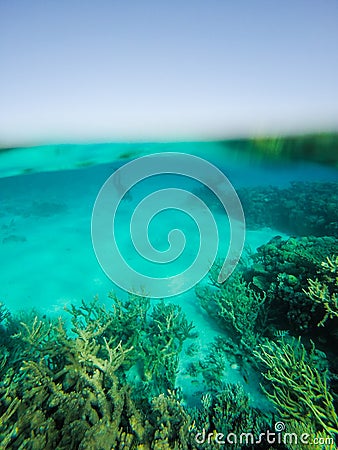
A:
{"points": [[161, 345], [173, 422], [237, 307], [65, 391], [317, 440], [298, 384], [227, 412], [224, 354], [110, 381], [68, 388], [325, 292]]}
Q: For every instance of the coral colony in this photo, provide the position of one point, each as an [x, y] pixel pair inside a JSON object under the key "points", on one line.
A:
{"points": [[106, 378]]}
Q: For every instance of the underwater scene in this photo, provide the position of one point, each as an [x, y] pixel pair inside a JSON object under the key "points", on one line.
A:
{"points": [[170, 295]]}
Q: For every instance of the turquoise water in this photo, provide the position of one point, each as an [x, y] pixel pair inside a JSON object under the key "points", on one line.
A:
{"points": [[48, 260], [47, 254]]}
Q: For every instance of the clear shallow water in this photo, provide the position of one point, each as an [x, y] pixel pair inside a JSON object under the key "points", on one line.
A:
{"points": [[46, 248], [47, 255]]}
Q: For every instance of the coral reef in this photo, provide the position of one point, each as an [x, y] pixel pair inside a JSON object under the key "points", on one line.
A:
{"points": [[161, 346], [251, 307], [68, 389], [299, 384], [300, 209], [325, 292], [236, 306], [98, 384], [281, 268], [107, 378], [317, 440], [229, 416]]}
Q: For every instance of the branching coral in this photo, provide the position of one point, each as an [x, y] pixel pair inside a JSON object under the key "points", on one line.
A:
{"points": [[228, 412], [325, 293], [236, 306], [299, 388], [69, 383], [68, 388], [4, 313], [223, 354], [317, 440], [166, 331], [173, 422]]}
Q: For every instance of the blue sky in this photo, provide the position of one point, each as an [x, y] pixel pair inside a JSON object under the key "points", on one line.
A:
{"points": [[128, 70]]}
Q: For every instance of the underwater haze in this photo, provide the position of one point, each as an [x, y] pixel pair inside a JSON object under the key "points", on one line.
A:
{"points": [[87, 363]]}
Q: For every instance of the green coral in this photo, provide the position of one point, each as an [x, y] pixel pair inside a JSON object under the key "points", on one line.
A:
{"points": [[228, 412], [298, 384], [108, 380], [237, 307], [173, 422], [318, 440], [161, 345], [325, 293], [67, 388], [214, 366], [281, 268], [69, 384], [4, 314]]}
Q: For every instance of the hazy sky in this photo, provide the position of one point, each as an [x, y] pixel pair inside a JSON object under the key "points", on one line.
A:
{"points": [[75, 70]]}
